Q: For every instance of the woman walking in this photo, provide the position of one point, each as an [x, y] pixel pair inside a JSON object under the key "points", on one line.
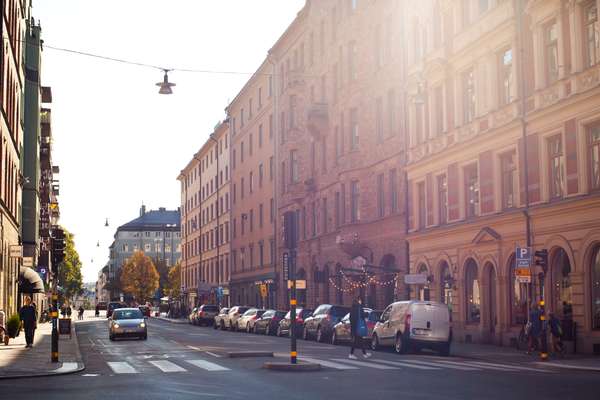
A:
{"points": [[28, 317], [358, 328]]}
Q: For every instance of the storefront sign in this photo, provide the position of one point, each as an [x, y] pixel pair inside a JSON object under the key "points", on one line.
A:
{"points": [[15, 251], [523, 257], [300, 284], [415, 279]]}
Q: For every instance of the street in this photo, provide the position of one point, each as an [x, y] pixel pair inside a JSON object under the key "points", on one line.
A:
{"points": [[180, 361]]}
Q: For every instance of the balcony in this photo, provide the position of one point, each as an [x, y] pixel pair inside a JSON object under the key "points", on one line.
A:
{"points": [[317, 119]]}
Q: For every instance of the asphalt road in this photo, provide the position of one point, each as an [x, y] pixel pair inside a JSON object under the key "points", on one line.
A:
{"points": [[185, 362]]}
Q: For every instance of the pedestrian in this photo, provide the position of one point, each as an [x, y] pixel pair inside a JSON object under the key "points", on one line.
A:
{"points": [[358, 327], [556, 332], [97, 311], [535, 329], [81, 311], [68, 310], [28, 316]]}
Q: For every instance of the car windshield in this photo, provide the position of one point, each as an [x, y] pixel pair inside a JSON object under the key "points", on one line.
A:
{"points": [[251, 311], [280, 314], [374, 316], [127, 314], [224, 311], [209, 308], [243, 309]]}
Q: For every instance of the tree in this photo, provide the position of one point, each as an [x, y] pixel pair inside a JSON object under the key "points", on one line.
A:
{"points": [[69, 271], [163, 273], [139, 277], [173, 287]]}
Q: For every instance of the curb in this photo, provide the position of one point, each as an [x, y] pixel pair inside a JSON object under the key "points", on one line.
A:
{"points": [[300, 367], [242, 354], [172, 321]]}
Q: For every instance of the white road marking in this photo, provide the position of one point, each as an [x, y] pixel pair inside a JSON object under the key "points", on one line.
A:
{"points": [[213, 354], [437, 364], [327, 363], [90, 375], [511, 366], [167, 366], [66, 367], [364, 364], [402, 364], [207, 365], [121, 367]]}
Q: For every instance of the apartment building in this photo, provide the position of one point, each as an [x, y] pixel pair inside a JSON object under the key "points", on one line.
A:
{"points": [[251, 117], [504, 143], [340, 150]]}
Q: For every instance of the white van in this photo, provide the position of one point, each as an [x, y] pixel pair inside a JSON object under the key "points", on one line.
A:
{"points": [[413, 325]]}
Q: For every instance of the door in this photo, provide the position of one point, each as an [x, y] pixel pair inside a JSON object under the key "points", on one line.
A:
{"points": [[492, 302]]}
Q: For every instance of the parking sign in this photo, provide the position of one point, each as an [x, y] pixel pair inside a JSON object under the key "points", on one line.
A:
{"points": [[523, 258]]}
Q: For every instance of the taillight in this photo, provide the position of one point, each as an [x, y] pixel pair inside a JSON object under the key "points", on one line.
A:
{"points": [[300, 320], [407, 323], [370, 324], [201, 314], [255, 317], [328, 317]]}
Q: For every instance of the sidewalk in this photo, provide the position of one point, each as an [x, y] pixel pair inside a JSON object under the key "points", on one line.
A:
{"points": [[16, 361], [511, 355], [163, 317]]}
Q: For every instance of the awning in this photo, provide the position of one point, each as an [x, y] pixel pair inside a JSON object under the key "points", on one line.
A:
{"points": [[30, 281]]}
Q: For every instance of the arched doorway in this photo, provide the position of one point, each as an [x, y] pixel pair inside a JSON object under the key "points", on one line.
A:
{"points": [[472, 293], [388, 263], [446, 284], [339, 295], [423, 290], [491, 298], [518, 296], [561, 290]]}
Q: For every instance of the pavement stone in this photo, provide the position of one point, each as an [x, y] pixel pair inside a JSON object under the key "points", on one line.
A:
{"points": [[16, 361]]}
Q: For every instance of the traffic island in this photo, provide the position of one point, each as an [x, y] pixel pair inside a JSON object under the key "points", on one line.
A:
{"points": [[245, 354], [286, 366]]}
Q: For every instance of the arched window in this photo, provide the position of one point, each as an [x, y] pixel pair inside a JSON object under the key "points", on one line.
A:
{"points": [[595, 269], [423, 290], [562, 291], [472, 292], [445, 284], [518, 296], [388, 262]]}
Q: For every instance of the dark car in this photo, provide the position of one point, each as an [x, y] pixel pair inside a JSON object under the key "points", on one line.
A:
{"points": [[285, 323], [341, 330], [320, 324], [205, 314], [145, 311], [112, 306], [269, 322], [219, 321]]}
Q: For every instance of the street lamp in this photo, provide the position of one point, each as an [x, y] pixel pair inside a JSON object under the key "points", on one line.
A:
{"points": [[165, 85]]}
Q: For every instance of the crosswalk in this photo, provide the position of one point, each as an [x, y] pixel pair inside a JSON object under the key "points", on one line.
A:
{"points": [[182, 365]]}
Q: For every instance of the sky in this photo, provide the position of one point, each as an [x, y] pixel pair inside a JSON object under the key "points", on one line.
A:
{"points": [[117, 141]]}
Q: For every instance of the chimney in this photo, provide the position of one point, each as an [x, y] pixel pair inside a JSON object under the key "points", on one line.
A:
{"points": [[142, 210]]}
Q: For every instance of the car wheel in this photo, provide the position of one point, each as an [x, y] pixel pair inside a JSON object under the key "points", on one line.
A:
{"points": [[214, 325], [247, 328], [333, 338], [319, 335], [444, 349], [400, 344], [374, 342], [278, 331], [222, 325], [145, 337], [305, 335]]}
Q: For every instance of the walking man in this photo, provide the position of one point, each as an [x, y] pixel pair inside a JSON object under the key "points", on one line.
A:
{"points": [[358, 328], [29, 320]]}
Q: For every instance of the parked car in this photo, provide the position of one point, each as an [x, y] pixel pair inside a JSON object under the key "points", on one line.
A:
{"points": [[246, 321], [127, 322], [205, 314], [232, 317], [413, 325], [113, 305], [285, 323], [269, 322], [145, 311], [219, 318], [192, 316], [320, 324], [342, 330]]}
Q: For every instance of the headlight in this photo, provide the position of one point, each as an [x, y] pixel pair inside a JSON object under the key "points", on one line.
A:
{"points": [[142, 325], [115, 325]]}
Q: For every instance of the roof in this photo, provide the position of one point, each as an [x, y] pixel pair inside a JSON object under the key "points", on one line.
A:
{"points": [[154, 220]]}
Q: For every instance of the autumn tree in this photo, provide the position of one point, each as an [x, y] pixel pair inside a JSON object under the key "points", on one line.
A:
{"points": [[173, 287], [69, 271], [139, 277]]}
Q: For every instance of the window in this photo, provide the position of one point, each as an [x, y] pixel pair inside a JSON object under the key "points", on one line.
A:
{"points": [[233, 158], [468, 85], [442, 188], [594, 162], [337, 210], [421, 204], [147, 247], [292, 113], [551, 51], [333, 24], [506, 76], [343, 204], [242, 152], [380, 196], [259, 98], [270, 126], [251, 182], [242, 188], [252, 220], [303, 222], [324, 155], [595, 269], [324, 215], [419, 123], [471, 191], [260, 136], [314, 218], [472, 293], [556, 167], [282, 127], [271, 167], [260, 215], [250, 144], [509, 179], [242, 118], [354, 129], [438, 98], [261, 254], [391, 111], [283, 182], [352, 75], [294, 172], [592, 34], [379, 119], [272, 211], [270, 85], [260, 175], [354, 202], [393, 191]]}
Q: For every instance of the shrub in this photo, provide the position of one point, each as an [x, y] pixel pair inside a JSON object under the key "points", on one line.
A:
{"points": [[13, 325]]}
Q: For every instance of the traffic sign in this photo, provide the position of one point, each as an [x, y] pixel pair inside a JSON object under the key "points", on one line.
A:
{"points": [[415, 279], [28, 261], [523, 278], [523, 257], [286, 266], [15, 251], [263, 290], [300, 284]]}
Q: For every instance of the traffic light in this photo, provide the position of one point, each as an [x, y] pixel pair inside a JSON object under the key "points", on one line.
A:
{"points": [[290, 231], [541, 259], [58, 248]]}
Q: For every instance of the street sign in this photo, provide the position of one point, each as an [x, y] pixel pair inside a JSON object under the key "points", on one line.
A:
{"points": [[28, 261], [523, 257], [225, 291], [286, 266], [15, 251], [523, 278], [300, 284], [263, 290], [415, 279]]}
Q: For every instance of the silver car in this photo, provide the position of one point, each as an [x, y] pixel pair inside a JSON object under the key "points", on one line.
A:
{"points": [[127, 322]]}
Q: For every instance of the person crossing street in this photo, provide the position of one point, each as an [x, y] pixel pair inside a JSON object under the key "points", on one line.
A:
{"points": [[358, 328]]}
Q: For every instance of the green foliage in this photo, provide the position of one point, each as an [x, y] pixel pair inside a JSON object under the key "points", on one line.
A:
{"points": [[139, 277], [163, 272], [69, 271], [173, 287], [13, 324]]}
